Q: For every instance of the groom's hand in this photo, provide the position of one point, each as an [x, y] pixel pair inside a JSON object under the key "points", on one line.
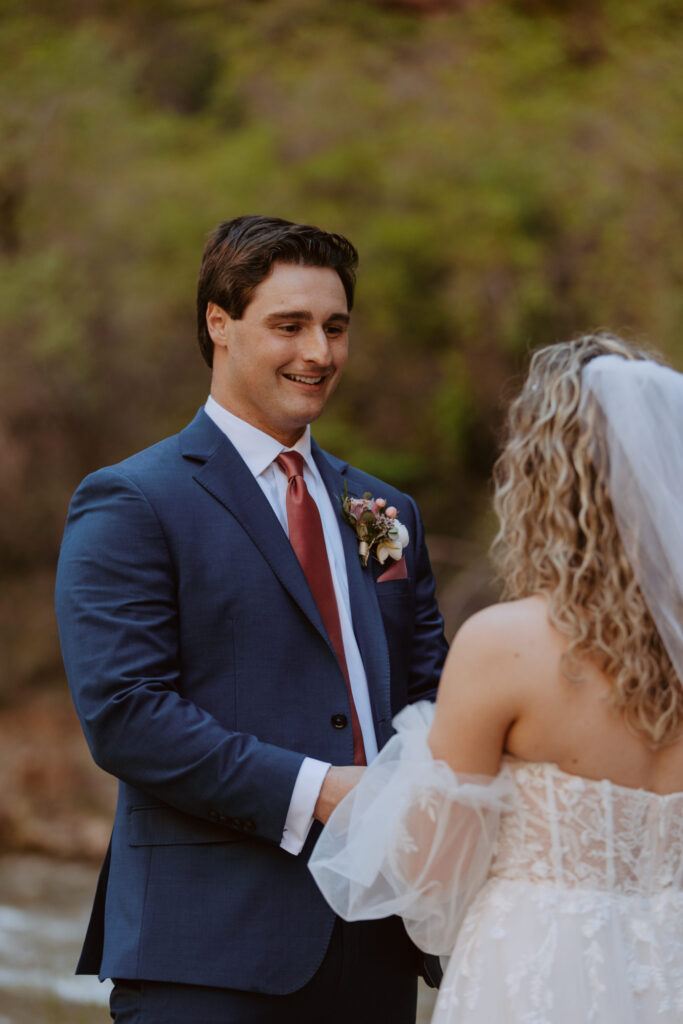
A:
{"points": [[338, 782]]}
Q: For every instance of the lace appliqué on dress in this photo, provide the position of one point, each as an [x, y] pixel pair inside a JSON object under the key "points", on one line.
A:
{"points": [[582, 912]]}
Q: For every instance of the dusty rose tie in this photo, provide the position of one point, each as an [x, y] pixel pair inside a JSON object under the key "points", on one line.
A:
{"points": [[307, 539]]}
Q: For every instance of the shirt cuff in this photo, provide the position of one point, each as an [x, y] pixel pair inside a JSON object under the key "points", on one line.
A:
{"points": [[302, 805]]}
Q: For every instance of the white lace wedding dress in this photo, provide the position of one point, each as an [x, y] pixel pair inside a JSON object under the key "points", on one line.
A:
{"points": [[559, 899]]}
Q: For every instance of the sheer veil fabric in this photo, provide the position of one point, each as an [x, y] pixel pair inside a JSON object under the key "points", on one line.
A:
{"points": [[639, 436]]}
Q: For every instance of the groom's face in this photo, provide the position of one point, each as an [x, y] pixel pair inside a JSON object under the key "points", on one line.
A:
{"points": [[277, 366]]}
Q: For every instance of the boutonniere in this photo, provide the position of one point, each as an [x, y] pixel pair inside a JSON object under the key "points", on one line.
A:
{"points": [[376, 526]]}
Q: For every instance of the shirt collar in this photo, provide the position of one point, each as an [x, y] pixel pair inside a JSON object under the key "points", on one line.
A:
{"points": [[256, 448]]}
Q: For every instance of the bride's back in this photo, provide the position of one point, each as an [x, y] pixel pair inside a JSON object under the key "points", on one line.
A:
{"points": [[505, 690], [573, 722]]}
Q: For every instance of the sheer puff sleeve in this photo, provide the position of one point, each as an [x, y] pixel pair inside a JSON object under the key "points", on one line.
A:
{"points": [[413, 838]]}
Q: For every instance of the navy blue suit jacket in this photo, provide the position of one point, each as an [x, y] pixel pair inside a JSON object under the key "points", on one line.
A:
{"points": [[202, 675]]}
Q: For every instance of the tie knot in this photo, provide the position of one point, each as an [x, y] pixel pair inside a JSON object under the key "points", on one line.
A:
{"points": [[291, 463]]}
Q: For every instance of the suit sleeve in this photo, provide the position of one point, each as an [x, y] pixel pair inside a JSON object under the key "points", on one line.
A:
{"points": [[118, 621], [429, 647]]}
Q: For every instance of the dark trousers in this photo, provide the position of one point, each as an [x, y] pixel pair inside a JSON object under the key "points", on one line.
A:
{"points": [[368, 976]]}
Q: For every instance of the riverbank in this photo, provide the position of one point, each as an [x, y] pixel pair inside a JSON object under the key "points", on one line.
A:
{"points": [[44, 908]]}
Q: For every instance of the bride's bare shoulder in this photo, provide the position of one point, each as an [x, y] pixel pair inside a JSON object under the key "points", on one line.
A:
{"points": [[512, 638], [490, 677], [510, 624]]}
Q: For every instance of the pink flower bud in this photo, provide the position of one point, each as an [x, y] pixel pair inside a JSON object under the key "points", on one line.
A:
{"points": [[391, 512], [381, 503]]}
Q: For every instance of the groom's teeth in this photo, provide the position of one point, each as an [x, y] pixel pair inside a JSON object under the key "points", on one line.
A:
{"points": [[304, 380]]}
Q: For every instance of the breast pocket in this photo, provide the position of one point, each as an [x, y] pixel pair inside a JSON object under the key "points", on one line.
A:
{"points": [[395, 587]]}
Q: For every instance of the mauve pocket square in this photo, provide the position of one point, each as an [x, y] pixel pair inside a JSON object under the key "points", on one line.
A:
{"points": [[396, 571]]}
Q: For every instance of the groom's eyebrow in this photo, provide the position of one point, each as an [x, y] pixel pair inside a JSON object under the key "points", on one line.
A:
{"points": [[304, 316]]}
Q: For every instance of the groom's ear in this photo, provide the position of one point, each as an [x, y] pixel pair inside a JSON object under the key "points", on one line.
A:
{"points": [[217, 324]]}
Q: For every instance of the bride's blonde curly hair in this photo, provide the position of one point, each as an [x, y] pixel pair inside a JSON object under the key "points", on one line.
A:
{"points": [[558, 537]]}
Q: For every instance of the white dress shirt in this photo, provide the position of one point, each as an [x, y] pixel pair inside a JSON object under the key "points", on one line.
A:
{"points": [[259, 451]]}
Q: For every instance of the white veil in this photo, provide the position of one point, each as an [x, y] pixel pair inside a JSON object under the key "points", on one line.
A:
{"points": [[642, 411]]}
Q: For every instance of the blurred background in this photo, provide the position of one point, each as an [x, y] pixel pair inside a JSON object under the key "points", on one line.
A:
{"points": [[510, 171]]}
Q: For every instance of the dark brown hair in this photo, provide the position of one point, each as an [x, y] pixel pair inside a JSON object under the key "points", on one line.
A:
{"points": [[240, 253]]}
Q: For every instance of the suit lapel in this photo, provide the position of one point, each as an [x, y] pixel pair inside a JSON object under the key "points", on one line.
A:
{"points": [[367, 620], [225, 476]]}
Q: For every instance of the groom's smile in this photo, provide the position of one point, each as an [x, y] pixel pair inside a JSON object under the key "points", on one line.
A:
{"points": [[311, 381], [277, 366]]}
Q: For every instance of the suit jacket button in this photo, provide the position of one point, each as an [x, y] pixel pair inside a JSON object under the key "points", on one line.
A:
{"points": [[339, 721]]}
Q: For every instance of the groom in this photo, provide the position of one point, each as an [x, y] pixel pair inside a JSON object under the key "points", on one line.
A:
{"points": [[235, 665]]}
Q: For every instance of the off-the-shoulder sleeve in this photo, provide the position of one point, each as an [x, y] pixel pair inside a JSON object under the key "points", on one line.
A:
{"points": [[413, 838]]}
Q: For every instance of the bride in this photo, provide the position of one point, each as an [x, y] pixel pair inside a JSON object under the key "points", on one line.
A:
{"points": [[531, 826]]}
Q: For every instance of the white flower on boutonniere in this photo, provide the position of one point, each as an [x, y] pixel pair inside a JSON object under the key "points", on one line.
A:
{"points": [[393, 546], [376, 527]]}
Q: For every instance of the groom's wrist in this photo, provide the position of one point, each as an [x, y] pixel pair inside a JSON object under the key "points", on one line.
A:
{"points": [[339, 781]]}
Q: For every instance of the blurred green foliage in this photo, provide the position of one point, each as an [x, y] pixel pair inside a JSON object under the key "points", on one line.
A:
{"points": [[510, 172]]}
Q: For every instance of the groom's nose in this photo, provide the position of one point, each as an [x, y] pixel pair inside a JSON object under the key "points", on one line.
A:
{"points": [[316, 346]]}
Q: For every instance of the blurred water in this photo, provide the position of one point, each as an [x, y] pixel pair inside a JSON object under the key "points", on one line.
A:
{"points": [[44, 908]]}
